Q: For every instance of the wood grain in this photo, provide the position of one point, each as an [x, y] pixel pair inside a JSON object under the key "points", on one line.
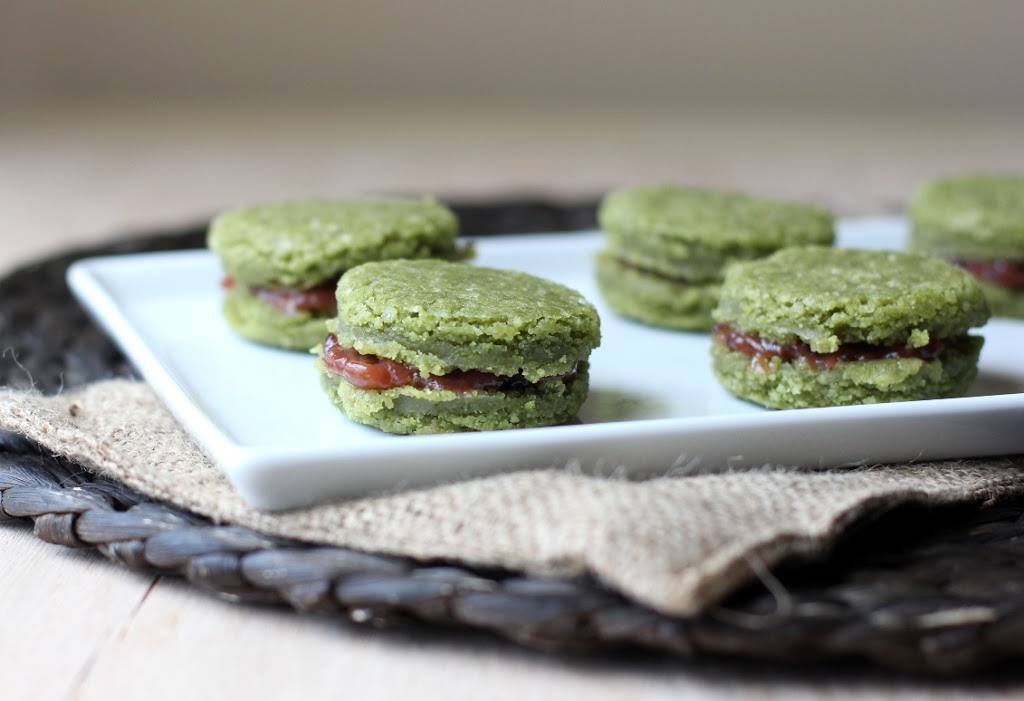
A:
{"points": [[181, 638], [61, 606]]}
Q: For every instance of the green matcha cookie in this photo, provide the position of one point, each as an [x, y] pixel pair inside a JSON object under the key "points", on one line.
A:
{"points": [[430, 346], [283, 260], [816, 326], [667, 247], [655, 299], [976, 222]]}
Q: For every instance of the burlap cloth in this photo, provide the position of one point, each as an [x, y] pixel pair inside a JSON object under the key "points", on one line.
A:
{"points": [[677, 544]]}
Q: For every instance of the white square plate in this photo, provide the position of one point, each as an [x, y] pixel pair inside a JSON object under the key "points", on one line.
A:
{"points": [[654, 405]]}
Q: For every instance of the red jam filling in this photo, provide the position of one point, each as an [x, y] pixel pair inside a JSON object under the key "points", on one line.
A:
{"points": [[319, 300], [372, 372], [1004, 273], [761, 350]]}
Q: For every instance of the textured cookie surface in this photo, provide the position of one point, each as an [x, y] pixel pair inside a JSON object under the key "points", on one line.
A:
{"points": [[1004, 301], [655, 299], [408, 410], [258, 321], [826, 297], [894, 323], [694, 232], [666, 247], [977, 216], [438, 316], [794, 384], [306, 242]]}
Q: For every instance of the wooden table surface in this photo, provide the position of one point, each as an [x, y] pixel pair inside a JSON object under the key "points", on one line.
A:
{"points": [[78, 627]]}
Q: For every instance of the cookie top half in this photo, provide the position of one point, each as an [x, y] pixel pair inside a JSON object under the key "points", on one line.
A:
{"points": [[439, 316], [666, 221], [972, 216], [304, 243], [826, 297]]}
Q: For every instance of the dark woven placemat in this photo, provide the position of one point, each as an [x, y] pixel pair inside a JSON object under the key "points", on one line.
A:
{"points": [[938, 591]]}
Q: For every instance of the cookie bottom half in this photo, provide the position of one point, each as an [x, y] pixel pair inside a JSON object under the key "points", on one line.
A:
{"points": [[1004, 301], [653, 299], [409, 410], [793, 384], [254, 319]]}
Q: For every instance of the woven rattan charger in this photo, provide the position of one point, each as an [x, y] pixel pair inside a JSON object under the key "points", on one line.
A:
{"points": [[875, 596]]}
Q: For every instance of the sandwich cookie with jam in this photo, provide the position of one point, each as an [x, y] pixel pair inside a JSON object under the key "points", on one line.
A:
{"points": [[977, 223], [282, 260], [666, 247], [817, 326], [431, 346]]}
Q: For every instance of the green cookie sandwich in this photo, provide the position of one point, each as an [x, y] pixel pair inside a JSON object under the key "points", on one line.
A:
{"points": [[283, 260], [976, 222], [667, 247], [431, 346], [817, 326]]}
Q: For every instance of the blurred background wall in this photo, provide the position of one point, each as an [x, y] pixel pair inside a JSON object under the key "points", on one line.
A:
{"points": [[936, 54], [136, 113]]}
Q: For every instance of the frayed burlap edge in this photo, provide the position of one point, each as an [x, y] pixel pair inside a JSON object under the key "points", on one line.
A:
{"points": [[676, 544]]}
